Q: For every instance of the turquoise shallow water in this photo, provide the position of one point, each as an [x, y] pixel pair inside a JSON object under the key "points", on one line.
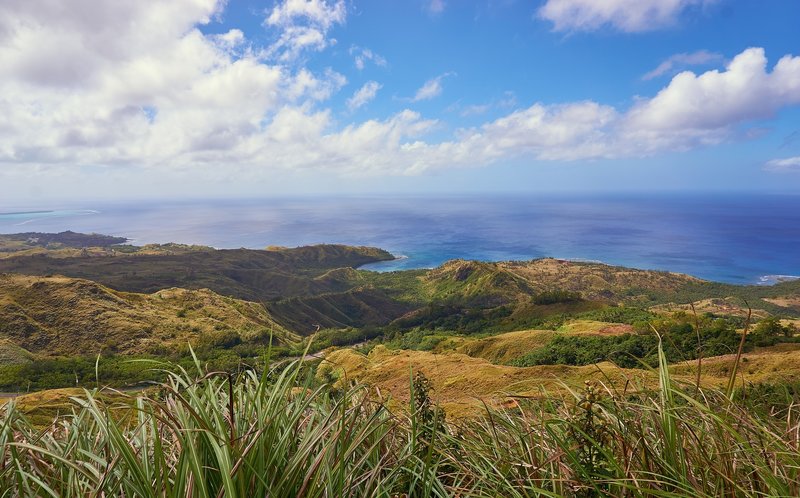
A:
{"points": [[737, 239]]}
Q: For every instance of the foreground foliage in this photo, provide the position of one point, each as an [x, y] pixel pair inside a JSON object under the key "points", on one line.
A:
{"points": [[206, 434]]}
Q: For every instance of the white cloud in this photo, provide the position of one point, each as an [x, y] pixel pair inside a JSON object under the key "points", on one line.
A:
{"points": [[303, 25], [701, 57], [317, 12], [305, 85], [134, 83], [556, 132], [624, 15], [364, 95], [715, 101], [152, 91], [230, 40], [431, 89], [363, 55], [785, 165]]}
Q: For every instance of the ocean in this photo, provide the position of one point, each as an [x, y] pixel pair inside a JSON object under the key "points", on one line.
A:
{"points": [[742, 239]]}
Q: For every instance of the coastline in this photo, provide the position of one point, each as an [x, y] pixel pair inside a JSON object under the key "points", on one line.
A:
{"points": [[738, 240]]}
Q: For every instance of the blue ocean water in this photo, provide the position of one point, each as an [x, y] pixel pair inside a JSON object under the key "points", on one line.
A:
{"points": [[730, 238]]}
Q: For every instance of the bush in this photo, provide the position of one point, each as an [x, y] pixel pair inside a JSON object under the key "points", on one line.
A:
{"points": [[556, 296]]}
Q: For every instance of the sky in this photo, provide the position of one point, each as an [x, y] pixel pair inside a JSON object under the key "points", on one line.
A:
{"points": [[135, 99]]}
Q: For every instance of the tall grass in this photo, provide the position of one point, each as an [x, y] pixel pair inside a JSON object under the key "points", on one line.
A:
{"points": [[279, 434]]}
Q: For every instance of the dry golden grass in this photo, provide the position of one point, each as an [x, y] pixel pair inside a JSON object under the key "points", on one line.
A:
{"points": [[594, 327], [785, 301], [718, 306], [11, 353], [68, 316], [511, 281], [594, 280], [462, 384], [42, 408], [780, 363], [503, 348]]}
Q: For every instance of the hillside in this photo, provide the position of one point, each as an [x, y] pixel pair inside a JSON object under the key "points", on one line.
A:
{"points": [[503, 348], [243, 273], [306, 288], [52, 316], [462, 384], [254, 275], [53, 241]]}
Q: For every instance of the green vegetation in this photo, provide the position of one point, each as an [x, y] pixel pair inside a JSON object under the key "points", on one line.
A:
{"points": [[301, 287], [52, 316], [619, 314], [125, 371], [468, 387], [682, 341], [282, 435], [556, 296], [21, 241], [770, 331], [12, 354]]}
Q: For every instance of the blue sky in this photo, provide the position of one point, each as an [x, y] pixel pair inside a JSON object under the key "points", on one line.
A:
{"points": [[194, 98]]}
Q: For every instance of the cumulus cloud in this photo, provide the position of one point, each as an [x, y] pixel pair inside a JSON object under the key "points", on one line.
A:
{"points": [[701, 57], [785, 165], [707, 106], [624, 15], [303, 25], [555, 132], [129, 82], [125, 87], [363, 95], [431, 89]]}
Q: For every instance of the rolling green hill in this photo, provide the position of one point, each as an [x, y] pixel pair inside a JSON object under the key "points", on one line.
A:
{"points": [[61, 316]]}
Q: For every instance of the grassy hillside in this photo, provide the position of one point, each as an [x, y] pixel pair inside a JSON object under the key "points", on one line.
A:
{"points": [[458, 412], [205, 435], [66, 316], [309, 287], [358, 307], [13, 354], [255, 275], [503, 348], [596, 281], [243, 273], [463, 384]]}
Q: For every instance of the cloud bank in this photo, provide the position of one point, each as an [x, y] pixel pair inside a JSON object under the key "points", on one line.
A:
{"points": [[136, 84]]}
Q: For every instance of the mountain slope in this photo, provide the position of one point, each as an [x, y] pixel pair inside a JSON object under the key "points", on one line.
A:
{"points": [[67, 316]]}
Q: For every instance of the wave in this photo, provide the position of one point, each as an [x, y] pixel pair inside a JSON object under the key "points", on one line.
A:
{"points": [[776, 279]]}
